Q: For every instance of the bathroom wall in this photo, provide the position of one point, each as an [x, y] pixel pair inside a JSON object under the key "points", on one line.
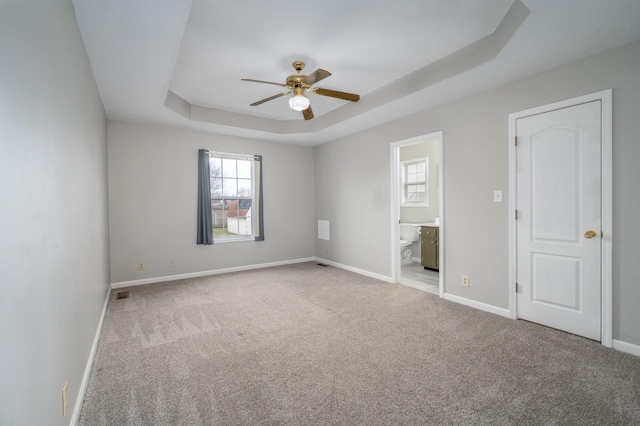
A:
{"points": [[427, 149]]}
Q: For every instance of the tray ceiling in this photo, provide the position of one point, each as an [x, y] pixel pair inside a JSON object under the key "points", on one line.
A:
{"points": [[179, 62]]}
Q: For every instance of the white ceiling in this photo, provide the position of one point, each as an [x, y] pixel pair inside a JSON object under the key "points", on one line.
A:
{"points": [[401, 56]]}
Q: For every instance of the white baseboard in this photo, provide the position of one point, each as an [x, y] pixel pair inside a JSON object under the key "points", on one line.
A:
{"points": [[206, 273], [87, 369], [356, 270], [629, 348], [478, 305]]}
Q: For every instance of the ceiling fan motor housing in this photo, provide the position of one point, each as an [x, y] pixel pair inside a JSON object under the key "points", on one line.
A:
{"points": [[297, 80]]}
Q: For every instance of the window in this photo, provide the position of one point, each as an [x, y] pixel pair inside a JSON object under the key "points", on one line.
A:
{"points": [[235, 200], [415, 182]]}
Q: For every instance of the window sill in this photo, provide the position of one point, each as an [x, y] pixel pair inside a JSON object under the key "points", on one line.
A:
{"points": [[415, 205], [233, 239]]}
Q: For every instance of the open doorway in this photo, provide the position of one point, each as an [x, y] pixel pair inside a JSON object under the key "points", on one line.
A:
{"points": [[417, 230]]}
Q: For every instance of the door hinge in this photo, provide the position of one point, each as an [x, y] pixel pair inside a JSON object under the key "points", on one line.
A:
{"points": [[515, 140], [516, 214], [516, 287], [601, 234]]}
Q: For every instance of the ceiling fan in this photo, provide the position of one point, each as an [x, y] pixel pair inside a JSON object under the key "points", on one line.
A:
{"points": [[299, 83]]}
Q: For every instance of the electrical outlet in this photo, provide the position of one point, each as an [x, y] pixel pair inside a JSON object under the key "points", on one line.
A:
{"points": [[172, 263], [327, 250], [65, 400], [140, 266], [465, 280]]}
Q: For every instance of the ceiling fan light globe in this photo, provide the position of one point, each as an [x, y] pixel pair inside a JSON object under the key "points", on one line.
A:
{"points": [[299, 102]]}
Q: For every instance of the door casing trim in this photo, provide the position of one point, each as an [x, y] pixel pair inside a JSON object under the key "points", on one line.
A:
{"points": [[606, 255], [395, 179]]}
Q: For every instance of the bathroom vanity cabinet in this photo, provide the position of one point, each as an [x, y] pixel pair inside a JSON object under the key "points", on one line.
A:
{"points": [[429, 247]]}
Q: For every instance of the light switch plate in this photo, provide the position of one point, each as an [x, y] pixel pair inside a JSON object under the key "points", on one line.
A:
{"points": [[497, 196]]}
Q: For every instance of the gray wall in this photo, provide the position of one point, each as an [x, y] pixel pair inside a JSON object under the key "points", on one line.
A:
{"points": [[428, 149], [353, 192], [54, 257], [152, 202]]}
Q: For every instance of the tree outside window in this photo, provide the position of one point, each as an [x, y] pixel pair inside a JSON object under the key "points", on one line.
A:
{"points": [[231, 195]]}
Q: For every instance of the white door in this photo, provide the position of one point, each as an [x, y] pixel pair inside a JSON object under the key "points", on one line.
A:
{"points": [[558, 226]]}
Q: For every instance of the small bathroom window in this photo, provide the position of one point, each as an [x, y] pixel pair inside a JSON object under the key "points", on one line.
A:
{"points": [[415, 183]]}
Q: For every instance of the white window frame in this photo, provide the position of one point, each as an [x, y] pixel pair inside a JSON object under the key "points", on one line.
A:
{"points": [[237, 238], [406, 183]]}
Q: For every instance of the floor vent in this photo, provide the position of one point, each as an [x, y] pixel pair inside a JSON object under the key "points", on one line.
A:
{"points": [[322, 264], [122, 295]]}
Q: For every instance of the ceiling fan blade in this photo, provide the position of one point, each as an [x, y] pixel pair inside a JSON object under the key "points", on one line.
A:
{"points": [[316, 76], [270, 98], [335, 94], [262, 81], [307, 113]]}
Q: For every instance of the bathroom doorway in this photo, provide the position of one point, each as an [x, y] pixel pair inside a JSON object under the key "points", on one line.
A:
{"points": [[417, 210]]}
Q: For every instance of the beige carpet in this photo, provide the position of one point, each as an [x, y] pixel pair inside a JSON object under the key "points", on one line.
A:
{"points": [[311, 345]]}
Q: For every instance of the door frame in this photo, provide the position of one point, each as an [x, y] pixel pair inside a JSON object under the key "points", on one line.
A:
{"points": [[606, 256], [396, 180]]}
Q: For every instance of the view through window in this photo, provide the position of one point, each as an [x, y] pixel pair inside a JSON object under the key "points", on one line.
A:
{"points": [[232, 195], [414, 182]]}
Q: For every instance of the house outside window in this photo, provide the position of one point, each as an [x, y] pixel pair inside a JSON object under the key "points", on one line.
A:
{"points": [[233, 198], [415, 183]]}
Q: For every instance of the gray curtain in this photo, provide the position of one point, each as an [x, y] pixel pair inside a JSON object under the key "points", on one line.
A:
{"points": [[205, 223], [257, 161]]}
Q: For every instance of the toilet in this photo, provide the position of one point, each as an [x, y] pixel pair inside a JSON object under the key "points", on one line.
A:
{"points": [[409, 233]]}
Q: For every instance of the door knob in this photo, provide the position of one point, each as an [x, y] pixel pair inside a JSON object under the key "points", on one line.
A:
{"points": [[590, 234]]}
